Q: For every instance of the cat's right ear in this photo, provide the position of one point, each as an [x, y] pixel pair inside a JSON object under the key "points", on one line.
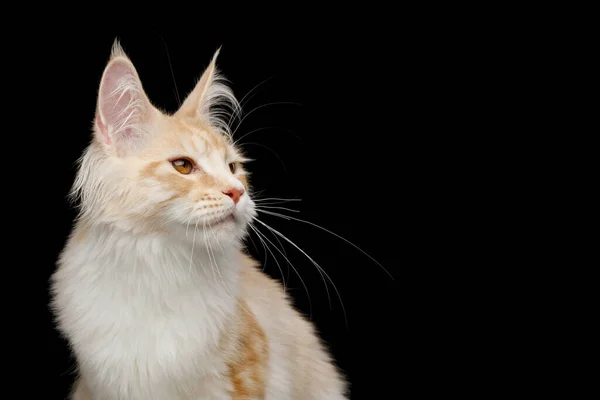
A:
{"points": [[123, 112]]}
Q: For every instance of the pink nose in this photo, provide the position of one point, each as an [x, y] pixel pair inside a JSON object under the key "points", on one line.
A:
{"points": [[234, 193]]}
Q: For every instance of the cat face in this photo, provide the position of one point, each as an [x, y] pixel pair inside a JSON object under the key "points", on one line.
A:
{"points": [[195, 178], [149, 171]]}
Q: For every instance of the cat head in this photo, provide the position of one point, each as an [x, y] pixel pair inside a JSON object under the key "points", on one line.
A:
{"points": [[146, 170]]}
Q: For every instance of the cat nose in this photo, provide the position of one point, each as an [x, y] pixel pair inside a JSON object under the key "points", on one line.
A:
{"points": [[234, 193]]}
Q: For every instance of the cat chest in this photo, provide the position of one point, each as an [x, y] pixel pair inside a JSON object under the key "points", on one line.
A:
{"points": [[143, 342]]}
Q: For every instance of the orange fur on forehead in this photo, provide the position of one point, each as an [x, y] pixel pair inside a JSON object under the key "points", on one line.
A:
{"points": [[176, 131], [179, 135]]}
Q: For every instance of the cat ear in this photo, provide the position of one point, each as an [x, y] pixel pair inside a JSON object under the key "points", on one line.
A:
{"points": [[211, 99], [123, 109]]}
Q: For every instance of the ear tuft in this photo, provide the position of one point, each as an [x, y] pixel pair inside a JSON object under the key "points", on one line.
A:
{"points": [[117, 50], [212, 99], [123, 108]]}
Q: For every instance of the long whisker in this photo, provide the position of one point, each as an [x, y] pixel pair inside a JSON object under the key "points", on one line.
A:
{"points": [[270, 149], [330, 232], [292, 265], [171, 68], [193, 246], [264, 266], [319, 268], [253, 244], [212, 231], [208, 250], [274, 199], [270, 204], [284, 255], [261, 207], [215, 259], [257, 193], [276, 261], [264, 247], [261, 129], [251, 132], [258, 108], [241, 102]]}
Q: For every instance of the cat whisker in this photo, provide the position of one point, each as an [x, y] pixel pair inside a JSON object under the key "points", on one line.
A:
{"points": [[264, 247], [270, 204], [258, 108], [284, 255], [319, 268], [255, 130], [211, 252], [254, 245], [241, 102], [270, 149], [208, 249], [263, 207], [212, 231], [262, 242], [171, 68], [274, 199], [255, 229], [257, 193], [262, 129], [192, 251], [215, 259], [328, 231], [267, 248]]}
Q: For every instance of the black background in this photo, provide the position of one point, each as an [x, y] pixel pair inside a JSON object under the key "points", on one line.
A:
{"points": [[338, 135], [412, 133]]}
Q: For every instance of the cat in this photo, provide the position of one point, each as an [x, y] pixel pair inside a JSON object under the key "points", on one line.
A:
{"points": [[154, 290]]}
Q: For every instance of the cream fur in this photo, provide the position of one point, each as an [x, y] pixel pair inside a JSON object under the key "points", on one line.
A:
{"points": [[147, 286]]}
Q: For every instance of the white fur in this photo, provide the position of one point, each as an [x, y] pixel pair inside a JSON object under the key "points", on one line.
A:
{"points": [[143, 318]]}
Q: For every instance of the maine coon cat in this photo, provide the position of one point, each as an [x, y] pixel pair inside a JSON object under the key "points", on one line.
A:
{"points": [[153, 290]]}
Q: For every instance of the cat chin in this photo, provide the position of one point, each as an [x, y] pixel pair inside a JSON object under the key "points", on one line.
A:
{"points": [[225, 232]]}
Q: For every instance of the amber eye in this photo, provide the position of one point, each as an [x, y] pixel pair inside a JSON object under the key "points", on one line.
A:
{"points": [[232, 167], [183, 165]]}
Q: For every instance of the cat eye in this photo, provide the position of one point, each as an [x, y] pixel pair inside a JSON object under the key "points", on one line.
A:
{"points": [[183, 166], [232, 167]]}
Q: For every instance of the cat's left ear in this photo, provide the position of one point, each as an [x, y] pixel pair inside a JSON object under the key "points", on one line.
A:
{"points": [[211, 98]]}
